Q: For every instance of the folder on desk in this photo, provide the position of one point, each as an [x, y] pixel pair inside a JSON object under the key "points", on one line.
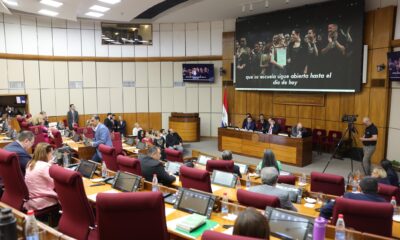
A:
{"points": [[191, 222]]}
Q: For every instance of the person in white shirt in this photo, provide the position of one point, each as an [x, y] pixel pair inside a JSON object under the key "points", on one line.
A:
{"points": [[136, 130]]}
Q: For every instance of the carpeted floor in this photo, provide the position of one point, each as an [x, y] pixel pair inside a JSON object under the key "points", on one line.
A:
{"points": [[336, 166]]}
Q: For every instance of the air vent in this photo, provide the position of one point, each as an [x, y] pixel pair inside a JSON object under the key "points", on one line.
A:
{"points": [[75, 84], [378, 83], [16, 85]]}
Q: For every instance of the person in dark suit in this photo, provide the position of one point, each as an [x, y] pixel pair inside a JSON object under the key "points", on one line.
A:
{"points": [[21, 147], [227, 155], [115, 123], [173, 140], [250, 124], [108, 122], [261, 124], [298, 131], [122, 125], [72, 116], [151, 165], [369, 192], [245, 120], [390, 172], [101, 136], [272, 127]]}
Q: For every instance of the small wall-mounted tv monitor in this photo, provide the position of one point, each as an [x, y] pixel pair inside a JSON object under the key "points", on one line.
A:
{"points": [[394, 66], [198, 73], [20, 99]]}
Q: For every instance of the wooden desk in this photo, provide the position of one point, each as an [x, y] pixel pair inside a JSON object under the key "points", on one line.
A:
{"points": [[4, 140], [294, 151], [84, 152], [187, 125]]}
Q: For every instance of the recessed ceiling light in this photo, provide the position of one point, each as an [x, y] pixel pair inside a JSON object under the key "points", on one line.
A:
{"points": [[94, 14], [48, 12], [99, 8], [12, 3], [51, 3], [110, 1]]}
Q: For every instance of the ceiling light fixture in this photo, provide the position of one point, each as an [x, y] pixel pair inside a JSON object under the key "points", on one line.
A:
{"points": [[94, 14], [12, 3], [251, 7], [133, 29], [287, 1], [48, 12], [99, 8], [266, 3], [110, 1], [51, 3]]}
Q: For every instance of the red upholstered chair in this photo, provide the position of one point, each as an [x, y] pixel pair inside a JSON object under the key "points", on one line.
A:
{"points": [[147, 141], [77, 218], [288, 130], [327, 183], [109, 156], [212, 235], [173, 155], [289, 179], [221, 165], [88, 132], [281, 122], [195, 178], [332, 140], [133, 215], [318, 136], [365, 216], [24, 126], [257, 200], [117, 143], [57, 140], [388, 191], [129, 164], [40, 135]]}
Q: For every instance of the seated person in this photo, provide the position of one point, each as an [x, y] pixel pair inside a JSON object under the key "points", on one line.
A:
{"points": [[250, 125], [38, 180], [390, 172], [269, 160], [369, 192], [269, 178], [173, 140], [151, 165], [227, 155], [298, 131], [136, 130], [251, 223], [245, 119], [261, 124], [21, 146], [272, 127], [159, 142], [380, 175]]}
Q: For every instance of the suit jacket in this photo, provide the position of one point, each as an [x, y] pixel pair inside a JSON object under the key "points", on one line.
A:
{"points": [[236, 170], [327, 210], [251, 126], [295, 132], [275, 129], [71, 116], [109, 124], [23, 156], [150, 166], [122, 127], [173, 139], [261, 126], [101, 136], [280, 193]]}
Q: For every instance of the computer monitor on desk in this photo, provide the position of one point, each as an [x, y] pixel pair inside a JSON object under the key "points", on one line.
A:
{"points": [[201, 159], [225, 179], [193, 201]]}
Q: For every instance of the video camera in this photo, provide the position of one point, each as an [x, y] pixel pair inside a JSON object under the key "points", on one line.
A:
{"points": [[349, 118]]}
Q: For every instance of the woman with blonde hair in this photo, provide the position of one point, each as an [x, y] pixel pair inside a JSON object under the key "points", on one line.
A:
{"points": [[38, 180], [380, 175]]}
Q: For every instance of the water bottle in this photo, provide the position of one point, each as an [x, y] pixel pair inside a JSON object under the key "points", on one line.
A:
{"points": [[65, 159], [354, 185], [104, 173], [8, 224], [154, 183], [340, 231], [319, 228], [248, 182], [31, 228], [304, 179], [224, 205], [238, 184], [394, 204]]}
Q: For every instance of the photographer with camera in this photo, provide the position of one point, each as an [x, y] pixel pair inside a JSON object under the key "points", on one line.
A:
{"points": [[369, 140]]}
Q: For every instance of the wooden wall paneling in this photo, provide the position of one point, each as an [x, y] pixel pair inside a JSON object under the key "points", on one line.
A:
{"points": [[279, 110], [332, 126], [240, 102], [231, 98], [252, 103], [378, 107], [155, 121], [130, 119], [361, 104], [227, 66], [380, 151], [102, 116], [143, 119], [383, 27], [369, 69], [292, 111], [369, 29], [313, 99], [266, 104], [237, 120], [320, 124], [332, 107], [307, 122], [319, 113], [305, 111], [291, 121], [346, 104], [228, 44], [379, 56]]}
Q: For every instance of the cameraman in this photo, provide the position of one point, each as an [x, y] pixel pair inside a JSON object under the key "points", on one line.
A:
{"points": [[369, 140]]}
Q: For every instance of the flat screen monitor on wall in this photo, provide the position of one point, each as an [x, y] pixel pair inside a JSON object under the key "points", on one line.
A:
{"points": [[313, 48], [198, 73]]}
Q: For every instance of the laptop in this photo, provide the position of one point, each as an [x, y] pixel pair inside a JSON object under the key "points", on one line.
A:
{"points": [[76, 137], [203, 159], [295, 193], [192, 201], [141, 145], [285, 224], [87, 168], [173, 167], [225, 179], [86, 141], [130, 141], [243, 168], [126, 182], [11, 134]]}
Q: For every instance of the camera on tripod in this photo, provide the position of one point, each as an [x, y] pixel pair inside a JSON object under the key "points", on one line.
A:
{"points": [[349, 118]]}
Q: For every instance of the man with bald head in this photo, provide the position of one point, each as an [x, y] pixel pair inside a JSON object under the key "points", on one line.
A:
{"points": [[369, 141]]}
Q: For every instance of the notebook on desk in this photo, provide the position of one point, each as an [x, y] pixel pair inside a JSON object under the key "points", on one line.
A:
{"points": [[201, 159]]}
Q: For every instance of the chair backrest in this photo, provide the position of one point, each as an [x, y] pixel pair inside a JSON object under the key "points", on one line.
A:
{"points": [[15, 189], [332, 135], [318, 133], [173, 155], [24, 125], [40, 135], [77, 215], [257, 200], [129, 164], [281, 122], [365, 216], [58, 142], [327, 183], [109, 156], [195, 178], [212, 235], [388, 191], [117, 142], [133, 215], [221, 165], [289, 179]]}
